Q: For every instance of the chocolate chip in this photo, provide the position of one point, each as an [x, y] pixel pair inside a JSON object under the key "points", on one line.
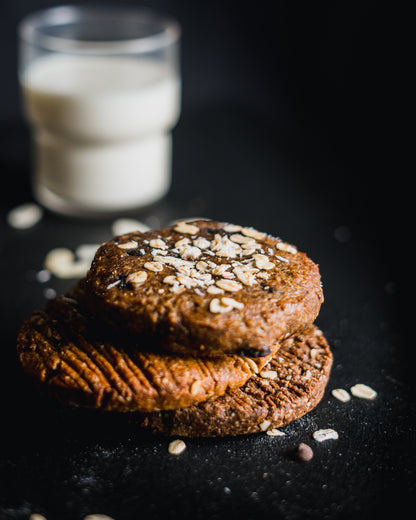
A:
{"points": [[136, 252], [304, 452], [246, 351], [121, 282]]}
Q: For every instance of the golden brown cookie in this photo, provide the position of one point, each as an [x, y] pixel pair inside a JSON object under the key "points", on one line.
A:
{"points": [[204, 288], [288, 387], [68, 355]]}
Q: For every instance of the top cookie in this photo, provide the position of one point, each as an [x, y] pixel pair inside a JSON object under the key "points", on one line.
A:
{"points": [[204, 287]]}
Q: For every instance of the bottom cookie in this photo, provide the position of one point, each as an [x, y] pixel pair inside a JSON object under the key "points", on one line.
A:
{"points": [[290, 386], [65, 352]]}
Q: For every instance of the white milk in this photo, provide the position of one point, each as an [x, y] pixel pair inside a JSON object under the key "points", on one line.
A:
{"points": [[102, 130]]}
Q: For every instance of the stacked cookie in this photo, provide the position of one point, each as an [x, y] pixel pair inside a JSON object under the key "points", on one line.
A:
{"points": [[202, 328]]}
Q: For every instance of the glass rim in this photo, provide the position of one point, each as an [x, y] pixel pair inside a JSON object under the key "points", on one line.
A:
{"points": [[29, 30]]}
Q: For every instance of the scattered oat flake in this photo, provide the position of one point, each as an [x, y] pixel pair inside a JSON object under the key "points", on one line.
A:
{"points": [[122, 226], [61, 263], [57, 257], [363, 391], [341, 394], [86, 252], [24, 216], [176, 447], [77, 269], [325, 434], [275, 432]]}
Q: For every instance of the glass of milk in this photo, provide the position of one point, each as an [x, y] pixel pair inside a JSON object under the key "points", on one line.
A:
{"points": [[101, 90]]}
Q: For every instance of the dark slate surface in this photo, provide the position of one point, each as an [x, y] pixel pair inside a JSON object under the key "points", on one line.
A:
{"points": [[67, 463], [299, 150]]}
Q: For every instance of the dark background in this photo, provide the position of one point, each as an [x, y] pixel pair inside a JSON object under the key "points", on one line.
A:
{"points": [[289, 123], [323, 81]]}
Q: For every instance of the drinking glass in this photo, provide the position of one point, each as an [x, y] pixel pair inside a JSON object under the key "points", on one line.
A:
{"points": [[101, 92]]}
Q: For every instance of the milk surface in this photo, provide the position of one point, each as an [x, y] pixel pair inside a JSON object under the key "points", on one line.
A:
{"points": [[102, 129]]}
